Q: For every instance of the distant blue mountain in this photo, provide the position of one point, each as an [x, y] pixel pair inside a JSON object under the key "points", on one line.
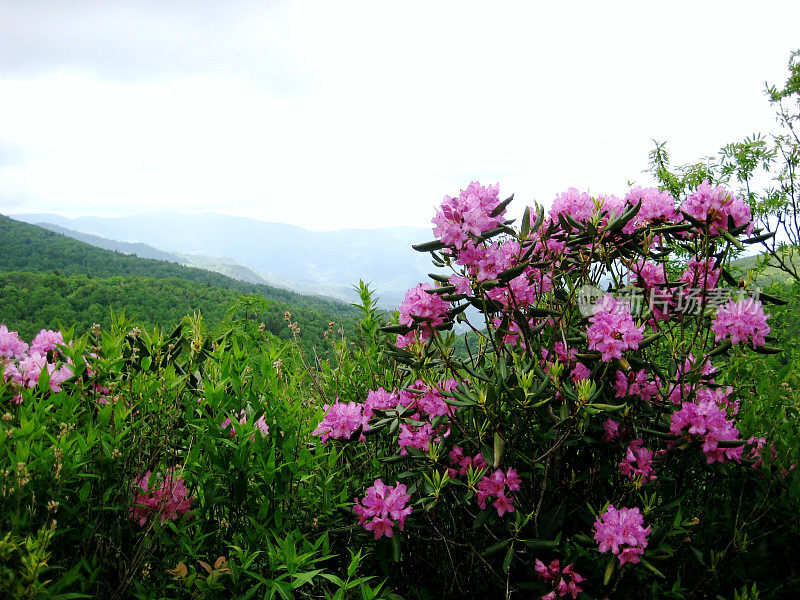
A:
{"points": [[286, 255]]}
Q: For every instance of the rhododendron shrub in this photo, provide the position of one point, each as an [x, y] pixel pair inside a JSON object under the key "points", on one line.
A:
{"points": [[550, 370], [168, 498]]}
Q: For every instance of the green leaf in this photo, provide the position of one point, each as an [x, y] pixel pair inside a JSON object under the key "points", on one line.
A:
{"points": [[609, 570], [482, 517], [429, 246], [647, 564], [525, 227], [395, 549], [496, 547], [509, 557]]}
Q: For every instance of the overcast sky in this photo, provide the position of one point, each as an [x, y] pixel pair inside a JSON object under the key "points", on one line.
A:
{"points": [[340, 114]]}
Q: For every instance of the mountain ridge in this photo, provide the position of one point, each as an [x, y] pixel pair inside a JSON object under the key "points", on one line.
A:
{"points": [[337, 258]]}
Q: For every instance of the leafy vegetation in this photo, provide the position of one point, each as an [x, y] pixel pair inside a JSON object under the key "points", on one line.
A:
{"points": [[195, 463]]}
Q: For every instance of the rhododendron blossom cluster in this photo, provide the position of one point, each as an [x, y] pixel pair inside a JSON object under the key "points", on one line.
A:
{"points": [[612, 329], [636, 384], [557, 362], [342, 420], [657, 208], [470, 214], [11, 345], [422, 403], [565, 581], [709, 422], [496, 486], [22, 364], [461, 464], [638, 461], [381, 507], [742, 321], [714, 205], [424, 310], [169, 498], [621, 532]]}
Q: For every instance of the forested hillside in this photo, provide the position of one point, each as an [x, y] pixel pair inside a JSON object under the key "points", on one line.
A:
{"points": [[47, 279]]}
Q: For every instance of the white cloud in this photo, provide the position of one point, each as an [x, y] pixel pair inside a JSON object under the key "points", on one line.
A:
{"points": [[331, 115]]}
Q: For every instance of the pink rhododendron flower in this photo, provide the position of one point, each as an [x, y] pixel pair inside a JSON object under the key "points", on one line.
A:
{"points": [[381, 507], [611, 428], [342, 420], [742, 321], [47, 340], [169, 499], [461, 464], [416, 437], [683, 388], [29, 370], [11, 346], [658, 208], [547, 572], [494, 486], [565, 582], [709, 422], [580, 372], [612, 329], [612, 206], [578, 205], [647, 274], [713, 205], [701, 273], [429, 309], [468, 215], [617, 528], [636, 383], [638, 461], [380, 399]]}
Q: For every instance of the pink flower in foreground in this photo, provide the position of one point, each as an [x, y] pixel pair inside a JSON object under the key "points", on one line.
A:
{"points": [[416, 437], [706, 420], [621, 532], [470, 214], [565, 581], [461, 464], [657, 208], [11, 345], [636, 383], [380, 399], [422, 311], [742, 321], [713, 205], [381, 507], [169, 499], [611, 430], [612, 329], [646, 274], [494, 486], [47, 340], [342, 420], [578, 205], [701, 274], [638, 461]]}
